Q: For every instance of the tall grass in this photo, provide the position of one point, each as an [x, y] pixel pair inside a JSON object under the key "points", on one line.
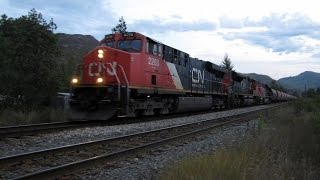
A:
{"points": [[9, 117], [287, 147]]}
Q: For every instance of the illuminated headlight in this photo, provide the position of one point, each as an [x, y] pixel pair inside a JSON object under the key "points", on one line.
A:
{"points": [[74, 80], [99, 80], [100, 53]]}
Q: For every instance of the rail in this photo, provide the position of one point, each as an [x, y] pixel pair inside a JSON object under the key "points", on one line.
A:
{"points": [[16, 131]]}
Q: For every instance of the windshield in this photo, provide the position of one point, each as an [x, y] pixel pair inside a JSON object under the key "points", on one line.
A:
{"points": [[109, 44], [130, 45]]}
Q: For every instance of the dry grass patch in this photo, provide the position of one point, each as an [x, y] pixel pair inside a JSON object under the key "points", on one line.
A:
{"points": [[286, 147]]}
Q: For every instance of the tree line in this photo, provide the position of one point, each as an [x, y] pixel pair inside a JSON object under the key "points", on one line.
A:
{"points": [[29, 70]]}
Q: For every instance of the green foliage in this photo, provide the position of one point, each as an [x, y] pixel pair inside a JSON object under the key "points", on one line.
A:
{"points": [[29, 73], [311, 92], [226, 63], [68, 70], [309, 104], [261, 122], [316, 121], [275, 85], [121, 27]]}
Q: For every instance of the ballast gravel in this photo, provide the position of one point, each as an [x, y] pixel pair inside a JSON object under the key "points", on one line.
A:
{"points": [[14, 146], [151, 165]]}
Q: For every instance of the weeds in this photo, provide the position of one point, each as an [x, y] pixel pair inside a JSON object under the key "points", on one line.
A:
{"points": [[11, 117], [261, 122], [287, 149]]}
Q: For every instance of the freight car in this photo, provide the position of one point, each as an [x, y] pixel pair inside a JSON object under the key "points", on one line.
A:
{"points": [[130, 74]]}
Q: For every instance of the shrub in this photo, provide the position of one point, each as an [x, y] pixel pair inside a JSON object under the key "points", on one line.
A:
{"points": [[10, 117], [286, 148]]}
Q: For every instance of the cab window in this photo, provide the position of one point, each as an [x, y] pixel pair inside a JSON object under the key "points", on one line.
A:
{"points": [[130, 45], [154, 48], [109, 44]]}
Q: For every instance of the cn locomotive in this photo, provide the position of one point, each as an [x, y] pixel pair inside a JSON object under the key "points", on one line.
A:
{"points": [[130, 74]]}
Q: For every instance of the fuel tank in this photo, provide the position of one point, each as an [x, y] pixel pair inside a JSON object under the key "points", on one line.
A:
{"points": [[185, 104]]}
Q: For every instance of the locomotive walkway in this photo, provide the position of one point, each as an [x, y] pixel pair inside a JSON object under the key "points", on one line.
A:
{"points": [[59, 161]]}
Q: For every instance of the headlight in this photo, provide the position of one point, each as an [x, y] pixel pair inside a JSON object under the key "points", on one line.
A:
{"points": [[100, 53], [74, 80], [99, 80]]}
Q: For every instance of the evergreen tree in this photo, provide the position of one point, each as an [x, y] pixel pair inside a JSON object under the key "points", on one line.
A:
{"points": [[275, 85], [226, 63], [121, 27], [28, 66], [68, 69]]}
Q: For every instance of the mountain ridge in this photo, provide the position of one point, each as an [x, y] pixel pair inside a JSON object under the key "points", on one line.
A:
{"points": [[260, 77], [302, 81]]}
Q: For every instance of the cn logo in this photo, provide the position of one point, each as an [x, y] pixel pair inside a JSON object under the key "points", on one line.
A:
{"points": [[197, 76], [97, 68]]}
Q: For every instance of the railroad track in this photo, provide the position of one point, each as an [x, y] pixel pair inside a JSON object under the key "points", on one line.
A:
{"points": [[33, 129], [57, 162], [17, 131]]}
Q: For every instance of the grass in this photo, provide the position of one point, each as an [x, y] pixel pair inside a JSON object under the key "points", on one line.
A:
{"points": [[286, 147], [9, 117]]}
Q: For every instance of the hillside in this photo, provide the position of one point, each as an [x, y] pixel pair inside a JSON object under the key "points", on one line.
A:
{"points": [[74, 46], [260, 77], [307, 79]]}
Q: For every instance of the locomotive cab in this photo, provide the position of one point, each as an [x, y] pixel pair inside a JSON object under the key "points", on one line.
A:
{"points": [[124, 67], [101, 81]]}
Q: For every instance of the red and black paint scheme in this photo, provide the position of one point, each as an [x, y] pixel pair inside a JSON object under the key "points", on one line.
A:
{"points": [[130, 74]]}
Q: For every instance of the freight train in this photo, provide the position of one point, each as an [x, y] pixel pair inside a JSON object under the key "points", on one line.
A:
{"points": [[130, 75]]}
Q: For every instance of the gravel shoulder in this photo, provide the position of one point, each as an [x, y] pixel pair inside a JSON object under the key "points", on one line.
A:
{"points": [[150, 165]]}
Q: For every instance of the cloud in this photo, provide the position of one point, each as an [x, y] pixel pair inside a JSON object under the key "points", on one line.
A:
{"points": [[228, 22], [270, 37], [159, 25], [316, 55], [73, 17], [281, 33]]}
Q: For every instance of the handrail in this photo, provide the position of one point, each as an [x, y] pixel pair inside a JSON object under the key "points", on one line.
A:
{"points": [[125, 75], [116, 75]]}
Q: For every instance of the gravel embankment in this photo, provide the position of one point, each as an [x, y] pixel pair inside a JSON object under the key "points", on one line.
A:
{"points": [[12, 146], [151, 165]]}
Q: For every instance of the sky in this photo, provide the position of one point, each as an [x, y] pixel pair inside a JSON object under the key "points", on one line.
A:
{"points": [[271, 37]]}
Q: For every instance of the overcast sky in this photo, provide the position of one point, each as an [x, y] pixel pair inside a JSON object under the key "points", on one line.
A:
{"points": [[278, 38]]}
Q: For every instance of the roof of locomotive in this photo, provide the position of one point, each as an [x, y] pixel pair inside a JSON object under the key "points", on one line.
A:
{"points": [[137, 34], [127, 34]]}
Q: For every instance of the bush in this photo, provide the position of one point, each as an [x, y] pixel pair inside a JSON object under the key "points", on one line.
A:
{"points": [[11, 117]]}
